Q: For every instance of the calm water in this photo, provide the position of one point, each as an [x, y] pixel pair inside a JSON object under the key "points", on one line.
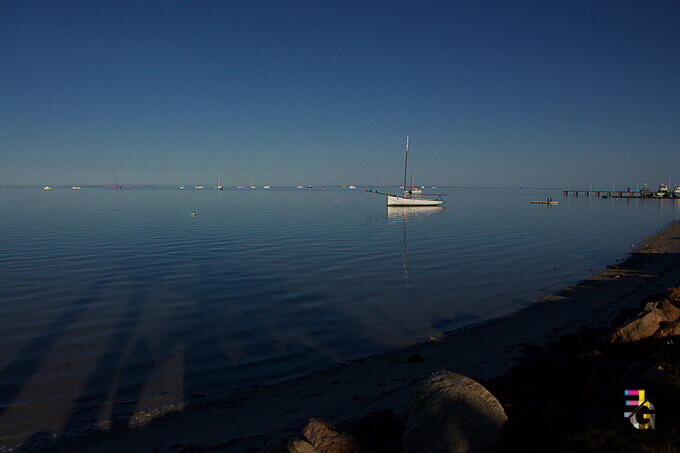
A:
{"points": [[126, 299]]}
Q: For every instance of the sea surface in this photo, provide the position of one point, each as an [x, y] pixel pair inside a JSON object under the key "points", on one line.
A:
{"points": [[123, 302]]}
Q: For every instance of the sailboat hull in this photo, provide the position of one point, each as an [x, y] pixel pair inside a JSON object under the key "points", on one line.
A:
{"points": [[402, 201]]}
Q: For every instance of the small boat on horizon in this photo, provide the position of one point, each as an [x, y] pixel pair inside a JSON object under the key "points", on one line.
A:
{"points": [[47, 188], [300, 186], [182, 186], [266, 186], [199, 187], [239, 187], [219, 186], [352, 186], [676, 191], [76, 187], [308, 186]]}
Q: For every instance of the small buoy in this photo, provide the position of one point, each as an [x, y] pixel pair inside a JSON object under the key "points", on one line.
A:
{"points": [[193, 214], [337, 199], [459, 213]]}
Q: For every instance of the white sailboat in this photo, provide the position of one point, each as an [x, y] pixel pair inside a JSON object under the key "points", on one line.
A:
{"points": [[182, 186], [352, 186], [47, 188], [676, 191], [300, 186], [411, 197], [219, 185], [266, 186]]}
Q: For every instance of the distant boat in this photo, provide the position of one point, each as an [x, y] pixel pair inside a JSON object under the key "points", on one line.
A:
{"points": [[47, 188], [199, 187], [646, 192], [76, 187], [409, 197], [239, 187], [676, 191], [663, 191], [253, 187], [265, 186], [300, 186], [308, 186], [182, 186], [219, 186], [352, 186], [414, 189], [545, 202], [434, 187]]}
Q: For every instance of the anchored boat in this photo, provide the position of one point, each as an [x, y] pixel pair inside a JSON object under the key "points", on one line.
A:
{"points": [[411, 197], [663, 191], [646, 192]]}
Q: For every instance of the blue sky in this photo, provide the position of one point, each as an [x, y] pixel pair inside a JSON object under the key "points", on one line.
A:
{"points": [[491, 93]]}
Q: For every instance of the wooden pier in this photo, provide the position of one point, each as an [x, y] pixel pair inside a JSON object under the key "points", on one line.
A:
{"points": [[598, 193], [613, 193]]}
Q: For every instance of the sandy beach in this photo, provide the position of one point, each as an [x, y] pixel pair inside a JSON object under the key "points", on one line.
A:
{"points": [[252, 418]]}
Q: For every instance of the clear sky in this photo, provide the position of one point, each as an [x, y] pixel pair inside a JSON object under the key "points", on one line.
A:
{"points": [[492, 93]]}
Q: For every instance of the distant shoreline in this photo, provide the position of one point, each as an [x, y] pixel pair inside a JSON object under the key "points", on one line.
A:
{"points": [[252, 416]]}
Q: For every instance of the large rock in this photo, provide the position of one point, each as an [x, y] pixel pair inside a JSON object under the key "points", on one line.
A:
{"points": [[300, 446], [326, 439], [653, 317], [449, 412], [671, 329]]}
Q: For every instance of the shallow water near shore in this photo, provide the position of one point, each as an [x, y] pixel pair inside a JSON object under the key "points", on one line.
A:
{"points": [[119, 302]]}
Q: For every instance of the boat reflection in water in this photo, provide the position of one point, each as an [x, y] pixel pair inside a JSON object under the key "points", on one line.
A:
{"points": [[396, 214]]}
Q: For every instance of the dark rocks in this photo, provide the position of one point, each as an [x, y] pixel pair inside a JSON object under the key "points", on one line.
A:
{"points": [[415, 357], [317, 437], [449, 412], [533, 349], [300, 446], [657, 319], [378, 431], [326, 439]]}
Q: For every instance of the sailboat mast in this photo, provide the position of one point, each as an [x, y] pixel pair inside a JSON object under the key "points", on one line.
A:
{"points": [[406, 164]]}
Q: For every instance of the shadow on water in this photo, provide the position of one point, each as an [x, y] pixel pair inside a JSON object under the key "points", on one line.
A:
{"points": [[30, 357], [123, 374]]}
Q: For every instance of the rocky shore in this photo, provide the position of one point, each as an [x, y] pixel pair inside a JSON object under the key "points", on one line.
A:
{"points": [[556, 370]]}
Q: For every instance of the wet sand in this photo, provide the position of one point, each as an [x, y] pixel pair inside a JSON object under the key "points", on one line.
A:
{"points": [[250, 418]]}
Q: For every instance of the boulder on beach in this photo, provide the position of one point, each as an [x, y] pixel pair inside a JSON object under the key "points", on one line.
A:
{"points": [[657, 319], [449, 412], [326, 439], [300, 446]]}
